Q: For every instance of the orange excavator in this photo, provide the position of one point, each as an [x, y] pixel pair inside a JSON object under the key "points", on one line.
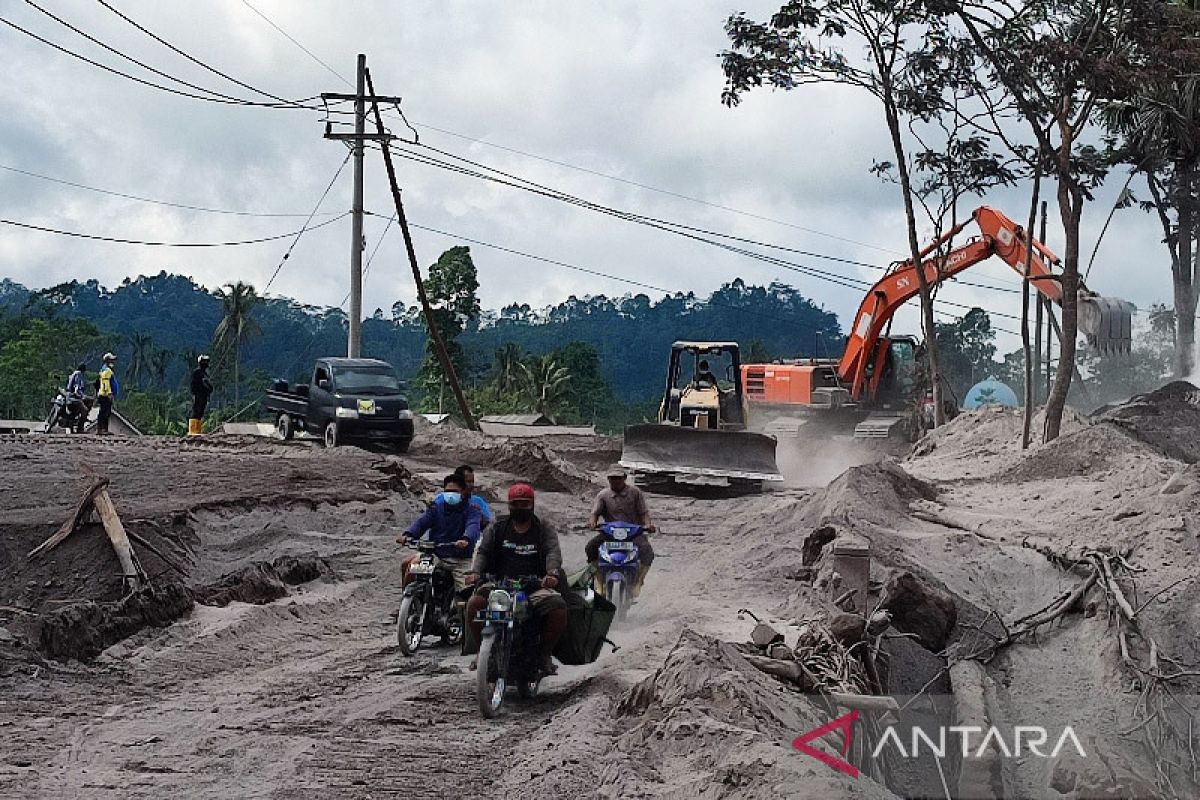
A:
{"points": [[874, 382]]}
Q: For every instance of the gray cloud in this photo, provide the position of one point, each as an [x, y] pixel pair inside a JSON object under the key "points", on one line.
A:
{"points": [[625, 88]]}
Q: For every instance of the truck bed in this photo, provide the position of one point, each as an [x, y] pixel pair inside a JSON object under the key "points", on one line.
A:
{"points": [[290, 402]]}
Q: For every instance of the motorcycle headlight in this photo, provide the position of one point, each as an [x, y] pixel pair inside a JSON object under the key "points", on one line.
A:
{"points": [[499, 600], [346, 413]]}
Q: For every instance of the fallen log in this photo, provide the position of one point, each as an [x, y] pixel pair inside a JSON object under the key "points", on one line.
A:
{"points": [[116, 535], [82, 509]]}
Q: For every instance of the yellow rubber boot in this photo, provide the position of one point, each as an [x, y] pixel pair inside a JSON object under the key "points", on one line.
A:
{"points": [[639, 580], [194, 428]]}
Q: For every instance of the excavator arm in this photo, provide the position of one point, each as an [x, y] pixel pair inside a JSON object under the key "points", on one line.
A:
{"points": [[1105, 321]]}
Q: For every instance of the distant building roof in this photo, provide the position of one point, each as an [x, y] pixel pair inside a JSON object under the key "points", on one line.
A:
{"points": [[517, 419], [436, 419]]}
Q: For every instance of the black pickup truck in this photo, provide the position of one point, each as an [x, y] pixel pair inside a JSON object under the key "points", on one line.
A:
{"points": [[350, 400]]}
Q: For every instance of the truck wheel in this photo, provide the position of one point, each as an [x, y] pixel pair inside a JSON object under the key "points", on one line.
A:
{"points": [[285, 427], [401, 445], [331, 435]]}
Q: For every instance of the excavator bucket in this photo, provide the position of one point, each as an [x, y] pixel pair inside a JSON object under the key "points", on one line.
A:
{"points": [[1107, 322], [693, 453]]}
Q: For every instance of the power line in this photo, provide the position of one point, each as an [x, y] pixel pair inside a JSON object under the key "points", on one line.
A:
{"points": [[288, 36], [558, 194], [129, 58], [300, 232], [141, 199], [200, 63], [152, 84], [116, 240], [684, 231]]}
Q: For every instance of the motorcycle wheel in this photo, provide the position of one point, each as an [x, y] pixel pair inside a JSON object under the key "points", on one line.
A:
{"points": [[489, 693], [409, 624], [453, 635], [52, 420], [614, 592]]}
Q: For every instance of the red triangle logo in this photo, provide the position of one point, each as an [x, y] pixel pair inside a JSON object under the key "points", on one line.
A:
{"points": [[845, 724]]}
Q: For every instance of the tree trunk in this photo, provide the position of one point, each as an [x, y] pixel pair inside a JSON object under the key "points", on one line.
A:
{"points": [[1070, 204], [1183, 273], [1027, 423], [914, 246], [237, 363]]}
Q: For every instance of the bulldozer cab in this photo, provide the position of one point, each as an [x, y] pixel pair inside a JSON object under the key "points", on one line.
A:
{"points": [[703, 390]]}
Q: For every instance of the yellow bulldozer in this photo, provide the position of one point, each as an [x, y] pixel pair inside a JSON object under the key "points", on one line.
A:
{"points": [[701, 435]]}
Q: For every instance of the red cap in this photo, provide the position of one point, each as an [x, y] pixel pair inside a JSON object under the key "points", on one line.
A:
{"points": [[520, 491]]}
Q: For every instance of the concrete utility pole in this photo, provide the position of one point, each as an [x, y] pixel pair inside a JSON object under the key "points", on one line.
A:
{"points": [[357, 145], [354, 346]]}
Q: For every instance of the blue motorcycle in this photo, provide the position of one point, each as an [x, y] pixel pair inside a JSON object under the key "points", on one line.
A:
{"points": [[619, 564]]}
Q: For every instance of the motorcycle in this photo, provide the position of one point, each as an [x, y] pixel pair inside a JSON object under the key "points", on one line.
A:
{"points": [[430, 605], [71, 414], [509, 645], [619, 564]]}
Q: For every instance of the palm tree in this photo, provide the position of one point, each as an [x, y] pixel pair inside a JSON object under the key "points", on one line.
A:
{"points": [[509, 374], [546, 383], [140, 359], [237, 303], [160, 362]]}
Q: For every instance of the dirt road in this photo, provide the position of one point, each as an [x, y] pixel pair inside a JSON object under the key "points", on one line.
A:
{"points": [[308, 695]]}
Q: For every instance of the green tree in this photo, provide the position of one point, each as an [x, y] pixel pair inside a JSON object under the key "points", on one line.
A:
{"points": [[37, 356], [968, 349], [758, 353], [140, 357], [238, 301], [547, 384], [452, 287]]}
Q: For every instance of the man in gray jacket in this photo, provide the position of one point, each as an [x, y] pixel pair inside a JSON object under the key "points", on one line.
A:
{"points": [[517, 547]]}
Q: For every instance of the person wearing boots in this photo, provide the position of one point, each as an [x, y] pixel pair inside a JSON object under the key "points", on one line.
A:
{"points": [[202, 389]]}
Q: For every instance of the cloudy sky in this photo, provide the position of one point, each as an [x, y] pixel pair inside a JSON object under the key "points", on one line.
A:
{"points": [[620, 92]]}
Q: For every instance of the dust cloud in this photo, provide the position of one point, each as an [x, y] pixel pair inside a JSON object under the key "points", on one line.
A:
{"points": [[813, 462]]}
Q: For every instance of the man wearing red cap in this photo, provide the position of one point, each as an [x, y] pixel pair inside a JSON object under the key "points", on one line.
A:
{"points": [[519, 546]]}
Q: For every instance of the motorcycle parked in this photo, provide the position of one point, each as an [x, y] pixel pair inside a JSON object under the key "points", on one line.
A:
{"points": [[430, 605], [619, 564], [509, 646], [68, 413]]}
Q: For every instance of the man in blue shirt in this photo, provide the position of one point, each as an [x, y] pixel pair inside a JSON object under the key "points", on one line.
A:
{"points": [[453, 523], [467, 473]]}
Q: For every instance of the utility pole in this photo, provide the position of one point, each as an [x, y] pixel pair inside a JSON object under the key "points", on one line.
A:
{"points": [[435, 335], [357, 145]]}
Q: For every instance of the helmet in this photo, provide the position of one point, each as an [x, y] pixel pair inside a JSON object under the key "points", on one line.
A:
{"points": [[202, 360], [109, 357], [520, 491]]}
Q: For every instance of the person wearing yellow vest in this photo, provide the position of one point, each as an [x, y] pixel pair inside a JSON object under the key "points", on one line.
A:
{"points": [[107, 390]]}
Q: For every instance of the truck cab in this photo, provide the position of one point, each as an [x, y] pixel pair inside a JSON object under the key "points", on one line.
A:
{"points": [[348, 400]]}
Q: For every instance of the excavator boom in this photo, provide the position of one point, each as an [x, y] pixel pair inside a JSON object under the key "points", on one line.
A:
{"points": [[1105, 321]]}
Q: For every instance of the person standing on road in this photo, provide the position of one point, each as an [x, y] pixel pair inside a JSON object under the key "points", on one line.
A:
{"points": [[107, 390], [202, 389], [467, 473], [517, 547], [453, 524], [622, 502]]}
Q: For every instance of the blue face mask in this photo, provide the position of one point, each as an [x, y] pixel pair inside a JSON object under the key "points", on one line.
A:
{"points": [[452, 498]]}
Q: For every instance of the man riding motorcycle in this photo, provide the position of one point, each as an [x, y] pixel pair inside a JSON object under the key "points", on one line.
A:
{"points": [[453, 524], [515, 547], [77, 396], [622, 502]]}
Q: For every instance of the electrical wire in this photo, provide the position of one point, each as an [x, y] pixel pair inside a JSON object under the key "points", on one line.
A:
{"points": [[144, 243], [287, 36], [151, 200], [200, 63], [130, 58], [316, 208], [152, 84]]}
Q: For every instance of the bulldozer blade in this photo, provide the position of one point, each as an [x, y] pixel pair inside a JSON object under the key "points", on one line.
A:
{"points": [[1107, 322], [682, 452]]}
